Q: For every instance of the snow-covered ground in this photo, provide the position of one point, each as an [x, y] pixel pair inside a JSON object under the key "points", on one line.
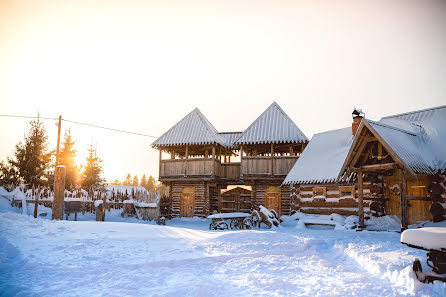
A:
{"points": [[40, 257]]}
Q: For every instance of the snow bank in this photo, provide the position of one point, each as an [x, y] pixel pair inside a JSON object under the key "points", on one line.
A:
{"points": [[430, 238]]}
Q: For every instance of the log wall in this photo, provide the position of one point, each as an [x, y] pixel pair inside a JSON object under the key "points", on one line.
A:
{"points": [[202, 201], [328, 199]]}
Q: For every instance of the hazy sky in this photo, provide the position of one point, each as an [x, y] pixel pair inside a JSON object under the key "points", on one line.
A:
{"points": [[143, 65]]}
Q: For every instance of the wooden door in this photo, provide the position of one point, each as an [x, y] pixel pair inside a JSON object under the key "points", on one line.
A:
{"points": [[187, 204], [272, 201], [418, 210], [236, 200]]}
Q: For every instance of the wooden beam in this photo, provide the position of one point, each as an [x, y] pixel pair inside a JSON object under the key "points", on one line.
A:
{"points": [[358, 152], [219, 198], [172, 154], [420, 198], [375, 167], [272, 159], [159, 166], [187, 152], [404, 204], [360, 201]]}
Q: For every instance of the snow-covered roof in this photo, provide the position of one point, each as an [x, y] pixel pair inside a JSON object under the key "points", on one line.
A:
{"points": [[194, 128], [272, 126], [406, 145], [322, 159], [417, 138]]}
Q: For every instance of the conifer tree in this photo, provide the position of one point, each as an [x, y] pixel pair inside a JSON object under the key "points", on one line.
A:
{"points": [[67, 157], [127, 181], [135, 181], [32, 159], [92, 179], [151, 184], [143, 182]]}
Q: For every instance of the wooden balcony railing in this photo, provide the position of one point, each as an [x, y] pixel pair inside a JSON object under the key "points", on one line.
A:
{"points": [[202, 167], [271, 166]]}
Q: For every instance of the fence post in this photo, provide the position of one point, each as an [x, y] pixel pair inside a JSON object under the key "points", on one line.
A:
{"points": [[59, 193], [36, 201]]}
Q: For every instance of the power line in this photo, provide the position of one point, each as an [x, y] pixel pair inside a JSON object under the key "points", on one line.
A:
{"points": [[79, 123], [111, 129], [26, 117]]}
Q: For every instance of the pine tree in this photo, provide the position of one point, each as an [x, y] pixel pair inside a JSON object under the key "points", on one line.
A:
{"points": [[143, 182], [135, 181], [92, 179], [151, 184], [32, 159], [67, 157], [127, 181]]}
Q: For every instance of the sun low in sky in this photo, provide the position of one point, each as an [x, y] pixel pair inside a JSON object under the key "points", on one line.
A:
{"points": [[143, 65]]}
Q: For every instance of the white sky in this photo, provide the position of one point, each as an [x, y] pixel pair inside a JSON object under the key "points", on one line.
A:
{"points": [[143, 65]]}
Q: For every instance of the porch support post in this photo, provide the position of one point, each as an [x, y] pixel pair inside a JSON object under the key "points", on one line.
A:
{"points": [[159, 167], [213, 160], [186, 156], [272, 159], [404, 204], [241, 160], [360, 200], [219, 198]]}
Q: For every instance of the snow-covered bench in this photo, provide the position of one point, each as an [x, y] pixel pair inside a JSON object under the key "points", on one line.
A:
{"points": [[433, 240]]}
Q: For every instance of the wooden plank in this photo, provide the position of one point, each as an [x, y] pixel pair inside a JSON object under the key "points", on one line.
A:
{"points": [[375, 167], [360, 200], [404, 206]]}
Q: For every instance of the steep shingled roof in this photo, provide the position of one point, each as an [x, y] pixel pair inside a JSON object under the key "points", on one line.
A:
{"points": [[272, 126], [194, 128]]}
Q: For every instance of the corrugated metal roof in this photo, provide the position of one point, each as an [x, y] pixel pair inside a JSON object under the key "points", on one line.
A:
{"points": [[272, 126], [419, 116], [194, 128], [408, 146], [418, 138], [230, 137], [322, 159]]}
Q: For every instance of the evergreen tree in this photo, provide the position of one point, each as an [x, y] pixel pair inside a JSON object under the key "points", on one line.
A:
{"points": [[151, 184], [116, 182], [92, 179], [32, 159], [143, 182], [127, 181], [135, 181], [67, 157]]}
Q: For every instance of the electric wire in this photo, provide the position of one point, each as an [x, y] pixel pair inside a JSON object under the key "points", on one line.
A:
{"points": [[79, 123]]}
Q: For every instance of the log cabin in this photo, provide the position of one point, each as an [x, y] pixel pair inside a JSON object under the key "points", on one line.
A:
{"points": [[394, 166], [209, 171]]}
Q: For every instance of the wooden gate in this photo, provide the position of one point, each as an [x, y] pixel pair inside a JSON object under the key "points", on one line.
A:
{"points": [[187, 202], [273, 199], [236, 200]]}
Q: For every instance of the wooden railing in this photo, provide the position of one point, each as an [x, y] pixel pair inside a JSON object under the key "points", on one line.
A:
{"points": [[273, 166], [231, 170], [202, 167]]}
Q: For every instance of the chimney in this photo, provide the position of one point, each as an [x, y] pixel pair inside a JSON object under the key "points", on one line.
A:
{"points": [[357, 115]]}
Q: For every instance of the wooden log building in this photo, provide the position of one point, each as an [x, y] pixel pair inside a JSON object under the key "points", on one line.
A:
{"points": [[395, 166], [208, 171]]}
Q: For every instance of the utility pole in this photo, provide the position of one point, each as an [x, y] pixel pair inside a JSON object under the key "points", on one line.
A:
{"points": [[58, 139], [59, 182]]}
